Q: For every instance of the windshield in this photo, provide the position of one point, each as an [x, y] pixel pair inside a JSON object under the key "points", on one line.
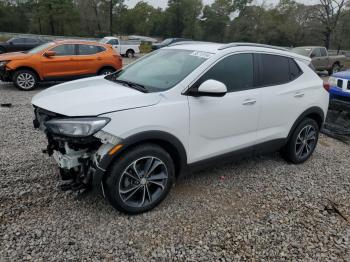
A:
{"points": [[302, 51], [162, 69], [40, 48]]}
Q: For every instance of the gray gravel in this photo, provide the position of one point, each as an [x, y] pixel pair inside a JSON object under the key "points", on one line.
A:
{"points": [[258, 209]]}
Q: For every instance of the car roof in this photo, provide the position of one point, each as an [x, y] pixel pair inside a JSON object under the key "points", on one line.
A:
{"points": [[238, 46], [73, 41]]}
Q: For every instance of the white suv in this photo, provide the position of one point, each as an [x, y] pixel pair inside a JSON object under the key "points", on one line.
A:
{"points": [[182, 107]]}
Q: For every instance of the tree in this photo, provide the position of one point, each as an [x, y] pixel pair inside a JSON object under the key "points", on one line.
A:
{"points": [[328, 14]]}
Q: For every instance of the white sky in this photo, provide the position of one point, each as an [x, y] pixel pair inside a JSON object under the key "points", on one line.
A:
{"points": [[163, 3]]}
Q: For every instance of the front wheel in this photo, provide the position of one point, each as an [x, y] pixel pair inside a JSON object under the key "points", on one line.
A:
{"points": [[140, 179], [302, 142], [25, 80]]}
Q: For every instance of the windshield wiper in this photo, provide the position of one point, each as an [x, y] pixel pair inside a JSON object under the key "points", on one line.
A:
{"points": [[138, 87]]}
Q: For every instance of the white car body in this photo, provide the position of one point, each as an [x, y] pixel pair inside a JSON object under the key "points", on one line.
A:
{"points": [[205, 127], [122, 47]]}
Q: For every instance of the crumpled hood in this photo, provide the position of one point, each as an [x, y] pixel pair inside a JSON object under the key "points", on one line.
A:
{"points": [[91, 97], [14, 56]]}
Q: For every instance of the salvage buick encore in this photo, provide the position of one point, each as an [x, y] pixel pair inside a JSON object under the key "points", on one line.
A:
{"points": [[132, 133]]}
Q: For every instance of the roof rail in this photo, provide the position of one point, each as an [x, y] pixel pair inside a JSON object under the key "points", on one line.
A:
{"points": [[251, 44], [190, 42]]}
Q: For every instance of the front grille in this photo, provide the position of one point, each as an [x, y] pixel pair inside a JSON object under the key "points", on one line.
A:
{"points": [[342, 98], [340, 83]]}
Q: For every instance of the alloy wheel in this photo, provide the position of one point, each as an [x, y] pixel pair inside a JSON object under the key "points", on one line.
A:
{"points": [[305, 142], [143, 182], [25, 81]]}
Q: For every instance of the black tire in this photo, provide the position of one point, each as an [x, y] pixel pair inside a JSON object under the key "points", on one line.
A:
{"points": [[130, 54], [335, 68], [148, 190], [298, 148], [25, 80], [106, 71]]}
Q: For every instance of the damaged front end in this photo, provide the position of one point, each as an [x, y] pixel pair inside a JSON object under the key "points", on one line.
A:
{"points": [[79, 147]]}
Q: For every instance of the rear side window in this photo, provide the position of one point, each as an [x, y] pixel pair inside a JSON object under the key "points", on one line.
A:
{"points": [[64, 50], [316, 52], [294, 69], [274, 70], [323, 52], [113, 42], [236, 72], [89, 49]]}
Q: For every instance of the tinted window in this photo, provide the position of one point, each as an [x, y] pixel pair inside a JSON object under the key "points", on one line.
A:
{"points": [[63, 50], [31, 41], [89, 49], [323, 52], [18, 41], [235, 71], [294, 69], [274, 70], [316, 52]]}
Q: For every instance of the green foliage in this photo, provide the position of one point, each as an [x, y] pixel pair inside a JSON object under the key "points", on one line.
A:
{"points": [[145, 47], [289, 23]]}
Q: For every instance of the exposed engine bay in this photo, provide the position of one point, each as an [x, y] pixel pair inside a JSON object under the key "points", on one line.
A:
{"points": [[77, 157]]}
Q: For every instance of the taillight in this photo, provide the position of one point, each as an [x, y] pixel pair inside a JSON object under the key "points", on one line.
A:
{"points": [[326, 86]]}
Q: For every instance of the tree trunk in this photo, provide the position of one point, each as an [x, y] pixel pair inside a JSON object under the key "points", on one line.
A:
{"points": [[111, 17], [327, 40]]}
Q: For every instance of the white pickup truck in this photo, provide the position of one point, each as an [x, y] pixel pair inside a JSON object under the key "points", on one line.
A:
{"points": [[125, 48]]}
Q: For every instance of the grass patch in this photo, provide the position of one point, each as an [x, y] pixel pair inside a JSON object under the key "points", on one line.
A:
{"points": [[145, 47]]}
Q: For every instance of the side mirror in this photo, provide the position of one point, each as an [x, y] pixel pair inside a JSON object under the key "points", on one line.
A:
{"points": [[210, 88], [49, 53]]}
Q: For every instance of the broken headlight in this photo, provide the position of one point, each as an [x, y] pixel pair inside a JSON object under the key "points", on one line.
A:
{"points": [[77, 127], [3, 63]]}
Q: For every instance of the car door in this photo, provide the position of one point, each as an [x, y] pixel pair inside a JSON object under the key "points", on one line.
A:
{"points": [[63, 65], [89, 59], [16, 44], [283, 96], [317, 59], [30, 43], [219, 125], [115, 44]]}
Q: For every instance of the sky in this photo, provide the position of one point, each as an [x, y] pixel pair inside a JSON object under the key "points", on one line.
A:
{"points": [[163, 3]]}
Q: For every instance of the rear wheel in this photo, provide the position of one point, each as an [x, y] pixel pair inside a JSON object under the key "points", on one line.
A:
{"points": [[335, 69], [130, 54], [25, 80], [140, 179], [303, 142]]}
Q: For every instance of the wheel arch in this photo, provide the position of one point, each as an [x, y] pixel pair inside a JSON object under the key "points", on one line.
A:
{"points": [[27, 68], [106, 67], [315, 113], [167, 141]]}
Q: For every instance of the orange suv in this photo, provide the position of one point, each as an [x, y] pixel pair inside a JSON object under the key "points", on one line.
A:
{"points": [[58, 61]]}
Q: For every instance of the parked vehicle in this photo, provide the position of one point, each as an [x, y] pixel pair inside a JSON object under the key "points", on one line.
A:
{"points": [[340, 90], [58, 61], [125, 48], [167, 42], [180, 108], [20, 44], [320, 58]]}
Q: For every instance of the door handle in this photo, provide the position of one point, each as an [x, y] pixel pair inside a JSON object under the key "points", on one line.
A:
{"points": [[249, 102], [299, 94]]}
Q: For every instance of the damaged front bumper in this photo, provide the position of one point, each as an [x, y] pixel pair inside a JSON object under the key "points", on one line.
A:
{"points": [[5, 75], [83, 161]]}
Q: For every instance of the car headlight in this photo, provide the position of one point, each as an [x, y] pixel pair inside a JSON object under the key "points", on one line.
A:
{"points": [[332, 81], [3, 63], [77, 127]]}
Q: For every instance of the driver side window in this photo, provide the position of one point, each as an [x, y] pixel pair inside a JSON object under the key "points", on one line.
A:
{"points": [[64, 50], [235, 71]]}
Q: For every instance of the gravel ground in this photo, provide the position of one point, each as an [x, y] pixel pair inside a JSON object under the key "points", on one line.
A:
{"points": [[258, 209]]}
